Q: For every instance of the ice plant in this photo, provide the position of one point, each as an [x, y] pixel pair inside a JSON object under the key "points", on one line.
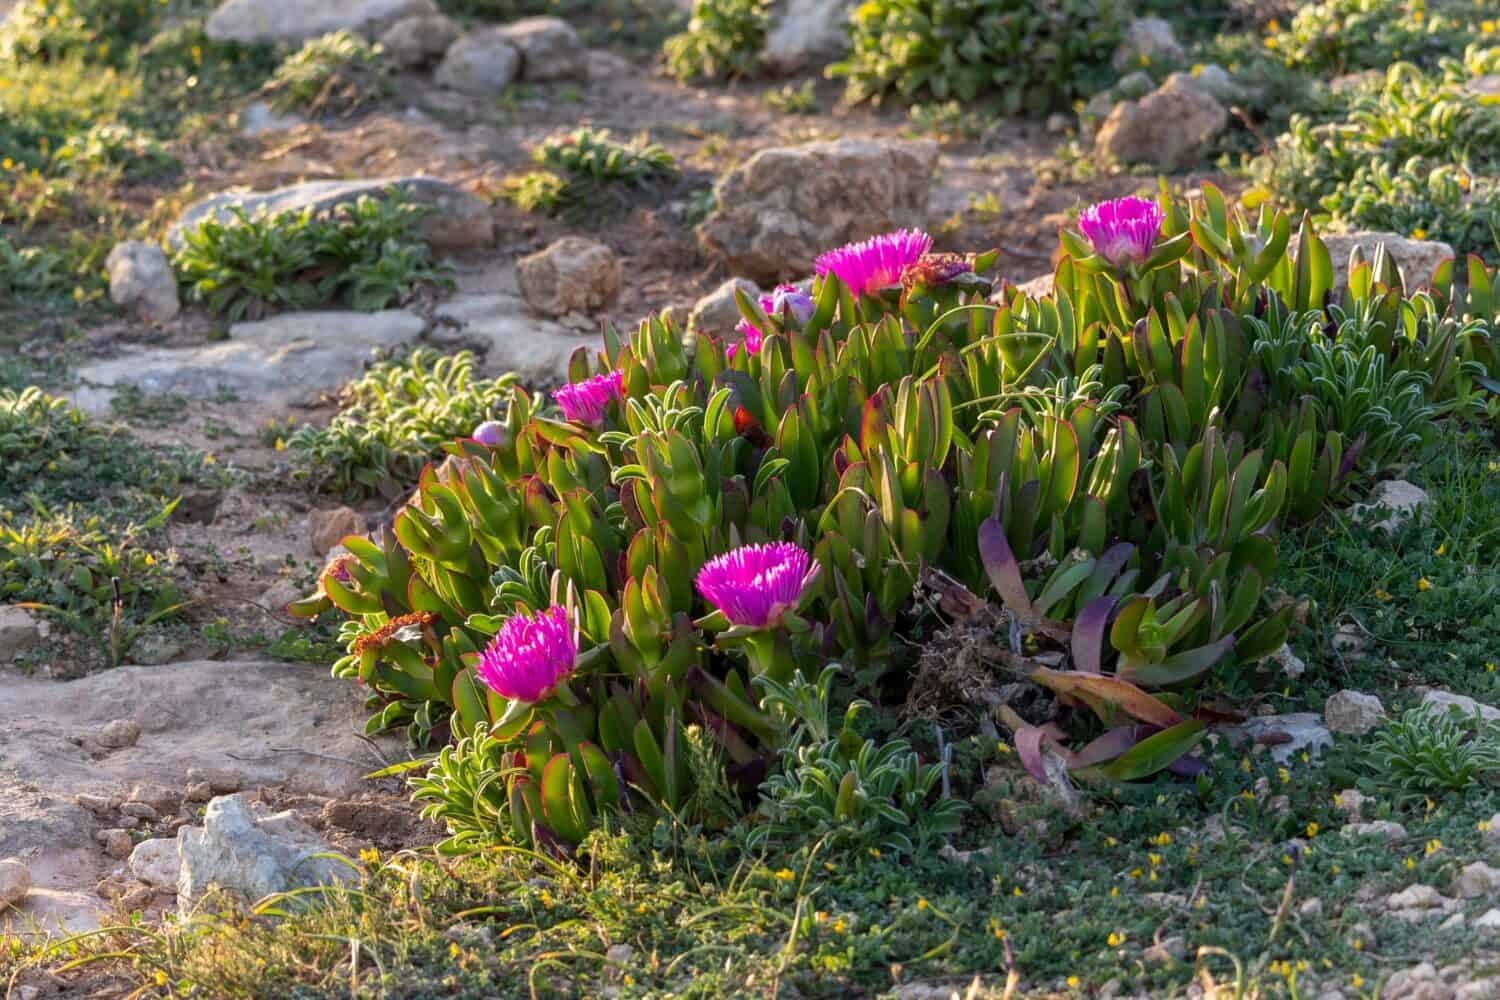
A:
{"points": [[796, 303], [756, 585], [873, 264], [585, 402], [935, 270], [750, 337], [491, 433], [1124, 230], [529, 656]]}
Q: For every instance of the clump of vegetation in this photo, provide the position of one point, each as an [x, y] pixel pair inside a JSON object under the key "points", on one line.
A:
{"points": [[723, 40], [581, 168], [1416, 156], [1342, 36], [101, 30], [1432, 751], [337, 73], [368, 254], [1028, 57], [394, 420]]}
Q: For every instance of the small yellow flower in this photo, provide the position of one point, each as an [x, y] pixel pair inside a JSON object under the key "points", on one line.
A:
{"points": [[1336, 869], [1358, 944], [1286, 859], [998, 931], [787, 875], [1487, 27], [1357, 981], [369, 856], [1072, 982], [1494, 466], [1284, 775], [1136, 873], [922, 904], [1382, 595], [1114, 891], [1110, 842], [839, 926], [875, 853], [454, 950], [1411, 863], [1489, 667], [1442, 548], [1162, 839], [1017, 891], [1312, 830], [1433, 846], [1003, 748], [1483, 826], [1116, 939], [821, 916], [1424, 584], [1155, 859], [1419, 234], [1273, 25]]}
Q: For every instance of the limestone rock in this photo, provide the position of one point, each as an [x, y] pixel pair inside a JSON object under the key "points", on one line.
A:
{"points": [[155, 863], [779, 210], [1396, 499], [20, 632], [116, 843], [1415, 259], [1393, 832], [414, 42], [1294, 733], [328, 528], [1148, 41], [1353, 712], [572, 275], [481, 62], [1489, 920], [15, 883], [252, 21], [514, 338], [118, 734], [1416, 897], [550, 49], [1290, 663], [806, 34], [1477, 880], [717, 313], [242, 849], [1465, 705], [277, 362], [141, 280], [1420, 982], [1169, 128], [458, 219]]}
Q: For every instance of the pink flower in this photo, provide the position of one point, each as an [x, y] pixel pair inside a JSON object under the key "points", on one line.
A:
{"points": [[756, 585], [491, 433], [875, 263], [529, 656], [585, 402], [750, 336], [1122, 231], [797, 303]]}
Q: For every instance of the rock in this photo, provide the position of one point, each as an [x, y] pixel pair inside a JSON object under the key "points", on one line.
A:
{"points": [[1351, 803], [221, 780], [1415, 259], [1148, 41], [514, 338], [1290, 663], [1312, 909], [1416, 897], [806, 34], [481, 62], [1477, 880], [1284, 735], [155, 863], [140, 811], [154, 648], [1465, 705], [198, 506], [779, 210], [141, 280], [1492, 829], [117, 734], [1393, 832], [1132, 87], [1168, 951], [717, 313], [458, 220], [15, 883], [20, 632], [1489, 920], [1039, 287], [1353, 713], [550, 49], [1217, 82], [1396, 499], [414, 42], [328, 528], [1168, 128], [260, 119], [252, 21], [242, 849], [1350, 638], [99, 805], [1420, 982], [573, 274], [200, 791], [1058, 123], [278, 362], [116, 842]]}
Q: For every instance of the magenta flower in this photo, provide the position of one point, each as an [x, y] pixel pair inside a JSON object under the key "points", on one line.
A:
{"points": [[1122, 231], [756, 585], [750, 337], [797, 303], [873, 264], [491, 433], [529, 656], [585, 402]]}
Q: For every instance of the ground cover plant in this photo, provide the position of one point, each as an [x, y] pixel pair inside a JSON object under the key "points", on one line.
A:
{"points": [[337, 73], [586, 170]]}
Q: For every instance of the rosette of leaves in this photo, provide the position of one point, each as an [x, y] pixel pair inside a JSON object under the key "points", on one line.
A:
{"points": [[723, 40], [337, 73], [581, 168]]}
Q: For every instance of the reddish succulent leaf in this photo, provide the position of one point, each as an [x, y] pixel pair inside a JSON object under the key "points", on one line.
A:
{"points": [[1003, 570], [1102, 693], [1088, 634], [1111, 745]]}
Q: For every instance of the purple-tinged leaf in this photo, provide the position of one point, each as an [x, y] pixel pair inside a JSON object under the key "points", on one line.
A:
{"points": [[1003, 570], [1188, 766], [1088, 634], [1029, 747], [1155, 752], [1111, 745]]}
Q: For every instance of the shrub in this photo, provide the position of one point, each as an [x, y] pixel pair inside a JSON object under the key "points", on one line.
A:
{"points": [[580, 167], [369, 254], [1341, 36], [723, 39], [394, 420], [107, 146], [684, 531], [1030, 56], [1417, 156], [1431, 751], [337, 73], [102, 30]]}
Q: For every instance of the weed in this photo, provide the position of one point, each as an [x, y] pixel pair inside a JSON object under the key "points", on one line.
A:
{"points": [[337, 73]]}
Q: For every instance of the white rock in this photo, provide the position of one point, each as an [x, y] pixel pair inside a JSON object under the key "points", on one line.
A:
{"points": [[1353, 712], [1477, 880], [242, 849], [140, 279], [550, 49], [259, 119], [118, 733], [116, 843], [1290, 663], [1296, 732], [481, 62], [20, 632], [1420, 982], [1350, 802], [806, 34], [1415, 259], [1148, 41], [1393, 832], [1462, 703], [1169, 128], [1489, 920], [516, 340], [155, 863], [571, 275], [717, 313], [417, 41], [252, 21], [1416, 897], [1392, 502], [15, 883]]}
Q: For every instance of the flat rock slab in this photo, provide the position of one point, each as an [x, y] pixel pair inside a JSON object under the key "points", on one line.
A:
{"points": [[276, 362], [515, 340], [460, 220], [268, 723], [252, 21]]}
